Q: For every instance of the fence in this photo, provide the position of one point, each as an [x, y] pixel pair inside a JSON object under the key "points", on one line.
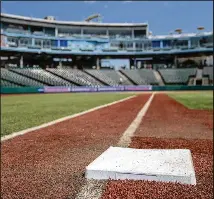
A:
{"points": [[53, 89]]}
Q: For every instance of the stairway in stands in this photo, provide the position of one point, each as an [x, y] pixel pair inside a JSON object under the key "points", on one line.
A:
{"points": [[126, 81], [205, 81], [159, 78], [198, 77], [199, 73], [191, 81]]}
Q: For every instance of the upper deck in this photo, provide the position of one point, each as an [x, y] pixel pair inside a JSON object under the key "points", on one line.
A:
{"points": [[34, 34]]}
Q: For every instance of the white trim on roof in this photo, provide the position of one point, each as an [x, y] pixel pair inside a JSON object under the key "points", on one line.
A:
{"points": [[72, 22]]}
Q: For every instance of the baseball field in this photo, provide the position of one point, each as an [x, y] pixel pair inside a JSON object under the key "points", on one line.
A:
{"points": [[48, 140]]}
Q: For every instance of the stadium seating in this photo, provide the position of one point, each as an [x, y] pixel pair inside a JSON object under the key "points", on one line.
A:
{"points": [[5, 83], [148, 75], [19, 79], [134, 76], [208, 71], [141, 76], [91, 77], [43, 76], [114, 75], [177, 76], [103, 77], [76, 76]]}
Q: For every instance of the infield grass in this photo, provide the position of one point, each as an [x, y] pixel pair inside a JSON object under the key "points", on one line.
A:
{"points": [[26, 111], [197, 100]]}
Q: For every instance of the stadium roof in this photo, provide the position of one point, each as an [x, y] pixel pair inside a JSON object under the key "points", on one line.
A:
{"points": [[81, 23]]}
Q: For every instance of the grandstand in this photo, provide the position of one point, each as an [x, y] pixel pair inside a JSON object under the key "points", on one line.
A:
{"points": [[5, 83], [76, 76], [70, 53], [141, 76], [16, 78], [177, 76], [42, 76], [97, 78], [208, 71], [114, 81]]}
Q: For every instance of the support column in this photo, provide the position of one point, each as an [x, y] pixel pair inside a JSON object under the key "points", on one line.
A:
{"points": [[135, 63], [33, 41], [42, 43], [98, 63], [130, 63], [81, 32], [107, 32], [21, 61], [60, 63], [56, 32], [189, 43], [132, 33], [161, 44], [175, 61], [134, 45]]}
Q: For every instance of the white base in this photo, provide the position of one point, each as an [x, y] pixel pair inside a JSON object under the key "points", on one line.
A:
{"points": [[167, 165]]}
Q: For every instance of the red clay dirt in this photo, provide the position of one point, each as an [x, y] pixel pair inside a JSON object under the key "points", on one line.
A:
{"points": [[168, 124], [167, 118], [49, 163]]}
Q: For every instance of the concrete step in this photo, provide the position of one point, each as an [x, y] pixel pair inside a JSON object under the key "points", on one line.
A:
{"points": [[191, 81], [159, 78], [125, 79]]}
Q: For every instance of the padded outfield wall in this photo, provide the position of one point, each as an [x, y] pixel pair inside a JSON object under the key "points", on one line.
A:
{"points": [[28, 90]]}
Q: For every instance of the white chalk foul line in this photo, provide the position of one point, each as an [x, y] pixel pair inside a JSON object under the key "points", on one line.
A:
{"points": [[125, 140], [93, 188], [15, 134]]}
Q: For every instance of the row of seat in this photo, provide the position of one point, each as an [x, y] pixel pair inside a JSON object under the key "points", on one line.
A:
{"points": [[105, 76], [5, 83], [116, 76], [141, 76], [209, 72], [76, 76], [177, 76], [90, 77], [43, 76], [19, 79]]}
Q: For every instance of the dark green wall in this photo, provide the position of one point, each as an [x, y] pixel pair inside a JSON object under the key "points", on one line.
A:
{"points": [[181, 88], [22, 90]]}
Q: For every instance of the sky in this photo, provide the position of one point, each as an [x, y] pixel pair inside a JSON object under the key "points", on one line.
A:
{"points": [[163, 16]]}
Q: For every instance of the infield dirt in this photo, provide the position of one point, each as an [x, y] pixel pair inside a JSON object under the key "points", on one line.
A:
{"points": [[50, 162], [170, 125]]}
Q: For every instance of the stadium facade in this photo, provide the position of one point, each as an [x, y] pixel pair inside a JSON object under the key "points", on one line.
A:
{"points": [[47, 42], [46, 52]]}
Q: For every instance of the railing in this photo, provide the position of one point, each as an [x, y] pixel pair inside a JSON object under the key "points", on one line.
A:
{"points": [[98, 50], [95, 48]]}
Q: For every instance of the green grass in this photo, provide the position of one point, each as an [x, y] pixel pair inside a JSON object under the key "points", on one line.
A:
{"points": [[22, 112], [196, 100]]}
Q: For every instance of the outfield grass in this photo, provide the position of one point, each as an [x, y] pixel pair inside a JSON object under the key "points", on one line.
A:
{"points": [[22, 112], [197, 100]]}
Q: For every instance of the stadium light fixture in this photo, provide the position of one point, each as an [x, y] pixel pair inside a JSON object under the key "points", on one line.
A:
{"points": [[179, 30], [200, 29]]}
